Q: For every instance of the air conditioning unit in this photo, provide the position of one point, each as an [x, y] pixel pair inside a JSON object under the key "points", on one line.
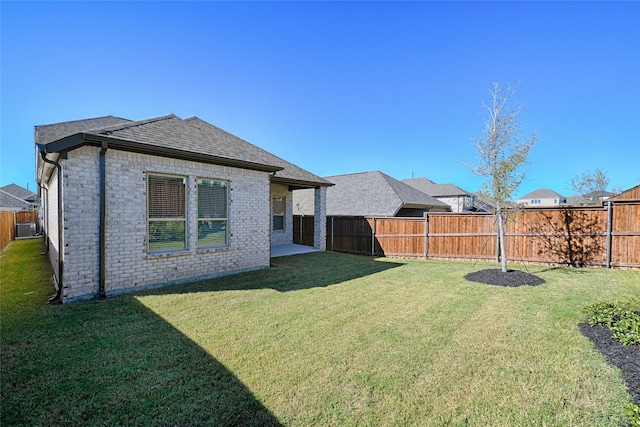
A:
{"points": [[25, 230]]}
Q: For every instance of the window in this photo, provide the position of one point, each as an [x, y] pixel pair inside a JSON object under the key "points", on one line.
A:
{"points": [[212, 213], [166, 210], [468, 202], [277, 213]]}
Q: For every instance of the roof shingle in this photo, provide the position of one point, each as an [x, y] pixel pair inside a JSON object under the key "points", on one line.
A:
{"points": [[367, 194], [192, 135]]}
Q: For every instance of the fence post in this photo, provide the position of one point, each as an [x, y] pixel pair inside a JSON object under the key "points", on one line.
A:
{"points": [[609, 220], [373, 237], [332, 218], [426, 235]]}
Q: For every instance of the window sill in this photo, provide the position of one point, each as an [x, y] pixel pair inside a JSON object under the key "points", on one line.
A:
{"points": [[213, 250], [155, 255]]}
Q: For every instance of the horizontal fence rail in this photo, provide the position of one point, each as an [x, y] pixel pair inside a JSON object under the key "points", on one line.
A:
{"points": [[575, 236]]}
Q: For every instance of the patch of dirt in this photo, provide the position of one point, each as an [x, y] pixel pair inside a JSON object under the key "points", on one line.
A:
{"points": [[512, 278], [625, 357]]}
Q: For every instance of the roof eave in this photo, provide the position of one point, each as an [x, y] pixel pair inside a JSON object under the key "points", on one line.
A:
{"points": [[299, 184], [80, 139]]}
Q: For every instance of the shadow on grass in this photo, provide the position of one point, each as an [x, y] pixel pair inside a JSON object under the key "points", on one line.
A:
{"points": [[112, 362], [291, 273], [116, 362], [561, 269]]}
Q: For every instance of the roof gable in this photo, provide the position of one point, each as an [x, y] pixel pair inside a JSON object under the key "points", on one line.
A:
{"points": [[542, 193]]}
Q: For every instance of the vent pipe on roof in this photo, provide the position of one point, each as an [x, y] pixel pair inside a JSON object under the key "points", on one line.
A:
{"points": [[57, 298]]}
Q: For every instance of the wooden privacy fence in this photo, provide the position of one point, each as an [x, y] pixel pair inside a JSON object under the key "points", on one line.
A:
{"points": [[9, 220], [590, 236], [7, 228]]}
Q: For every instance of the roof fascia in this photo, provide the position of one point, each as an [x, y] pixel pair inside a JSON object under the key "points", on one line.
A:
{"points": [[300, 184], [80, 139]]}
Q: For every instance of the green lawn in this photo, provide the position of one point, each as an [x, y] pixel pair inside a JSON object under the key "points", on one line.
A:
{"points": [[319, 339]]}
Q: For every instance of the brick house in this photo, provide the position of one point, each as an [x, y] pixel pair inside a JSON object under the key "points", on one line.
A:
{"points": [[143, 204]]}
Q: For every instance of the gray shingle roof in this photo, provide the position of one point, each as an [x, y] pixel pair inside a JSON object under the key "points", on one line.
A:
{"points": [[14, 197], [366, 194], [173, 136], [53, 132], [541, 193], [435, 190]]}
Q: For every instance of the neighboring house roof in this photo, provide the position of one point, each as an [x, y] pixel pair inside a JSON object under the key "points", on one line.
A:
{"points": [[481, 203], [170, 136], [20, 192], [367, 194], [542, 193], [593, 197], [14, 197], [436, 190]]}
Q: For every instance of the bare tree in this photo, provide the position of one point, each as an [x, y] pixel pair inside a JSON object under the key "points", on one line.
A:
{"points": [[591, 187], [501, 154]]}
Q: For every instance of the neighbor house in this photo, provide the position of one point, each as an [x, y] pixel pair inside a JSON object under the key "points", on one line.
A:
{"points": [[460, 200], [16, 198], [141, 204], [542, 198], [592, 198], [370, 194]]}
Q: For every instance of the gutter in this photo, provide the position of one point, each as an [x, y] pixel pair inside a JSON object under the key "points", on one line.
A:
{"points": [[57, 298]]}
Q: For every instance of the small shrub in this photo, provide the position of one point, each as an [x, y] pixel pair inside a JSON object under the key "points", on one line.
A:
{"points": [[622, 318], [633, 412]]}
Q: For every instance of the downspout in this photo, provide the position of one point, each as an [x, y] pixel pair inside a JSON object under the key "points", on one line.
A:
{"points": [[45, 219], [103, 219], [57, 298]]}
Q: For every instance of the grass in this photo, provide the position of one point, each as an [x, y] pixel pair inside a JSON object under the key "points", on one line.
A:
{"points": [[319, 339]]}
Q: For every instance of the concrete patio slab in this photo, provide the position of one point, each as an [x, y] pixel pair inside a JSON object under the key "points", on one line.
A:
{"points": [[291, 249]]}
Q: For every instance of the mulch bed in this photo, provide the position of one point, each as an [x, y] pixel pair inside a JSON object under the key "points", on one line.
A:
{"points": [[512, 278], [625, 357]]}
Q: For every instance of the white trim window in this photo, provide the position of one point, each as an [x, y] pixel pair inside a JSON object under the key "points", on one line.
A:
{"points": [[277, 213], [166, 213], [213, 208]]}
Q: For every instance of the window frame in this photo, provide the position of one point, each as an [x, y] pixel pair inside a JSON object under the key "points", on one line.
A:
{"points": [[283, 215], [167, 219], [213, 219]]}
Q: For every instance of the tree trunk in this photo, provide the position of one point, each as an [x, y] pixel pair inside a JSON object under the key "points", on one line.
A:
{"points": [[503, 250]]}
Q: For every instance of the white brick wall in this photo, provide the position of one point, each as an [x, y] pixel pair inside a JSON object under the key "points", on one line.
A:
{"points": [[320, 218], [283, 237], [51, 226], [128, 265]]}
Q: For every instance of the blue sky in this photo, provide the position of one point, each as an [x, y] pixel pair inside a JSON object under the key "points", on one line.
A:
{"points": [[337, 87]]}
